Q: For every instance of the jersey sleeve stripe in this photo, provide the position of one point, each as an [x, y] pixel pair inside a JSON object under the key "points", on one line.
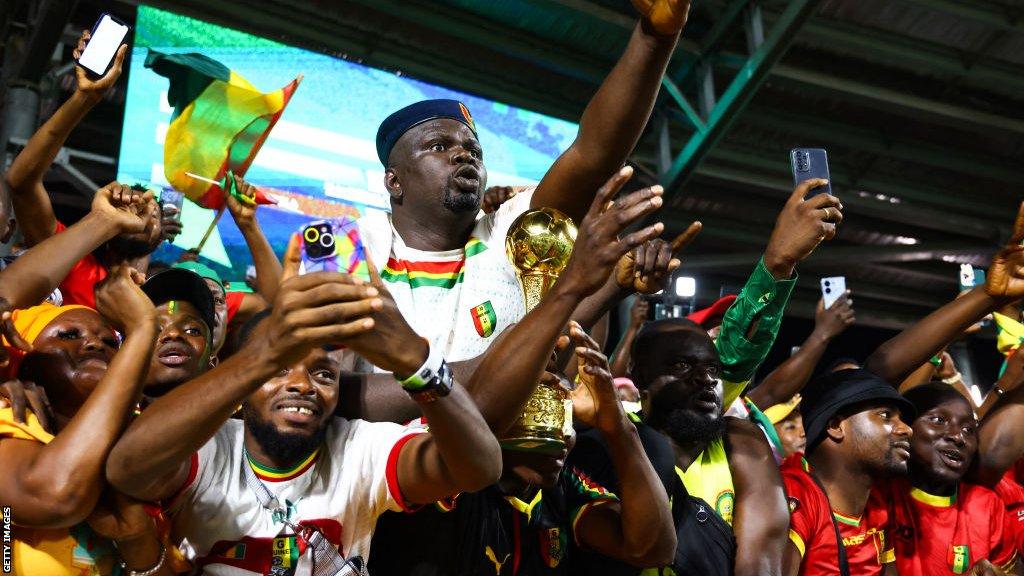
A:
{"points": [[798, 542], [391, 472]]}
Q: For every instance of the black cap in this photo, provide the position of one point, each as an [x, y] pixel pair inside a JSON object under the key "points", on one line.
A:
{"points": [[185, 286], [398, 123], [829, 394]]}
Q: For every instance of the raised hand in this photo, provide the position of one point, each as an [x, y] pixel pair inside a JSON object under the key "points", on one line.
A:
{"points": [[594, 401], [120, 300], [495, 196], [649, 267], [170, 222], [1005, 278], [244, 213], [130, 210], [10, 334], [833, 321], [313, 310], [598, 246], [638, 313], [800, 227], [985, 568], [97, 88], [21, 395], [665, 17], [392, 344]]}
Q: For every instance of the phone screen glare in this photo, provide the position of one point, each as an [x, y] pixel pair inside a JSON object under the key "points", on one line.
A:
{"points": [[103, 45]]}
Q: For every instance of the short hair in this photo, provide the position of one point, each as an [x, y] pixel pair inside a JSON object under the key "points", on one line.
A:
{"points": [[649, 333], [929, 395], [247, 329]]}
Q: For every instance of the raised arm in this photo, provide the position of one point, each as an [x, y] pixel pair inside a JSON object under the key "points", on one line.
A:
{"points": [[615, 117], [761, 520], [620, 357], [152, 458], [751, 324], [116, 209], [57, 485], [25, 176], [268, 268], [1001, 434], [791, 376], [514, 364], [1004, 283], [639, 529]]}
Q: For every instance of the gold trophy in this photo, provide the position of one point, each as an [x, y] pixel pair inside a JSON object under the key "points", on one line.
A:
{"points": [[539, 244]]}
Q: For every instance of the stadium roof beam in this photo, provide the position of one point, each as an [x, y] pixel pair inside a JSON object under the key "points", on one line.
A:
{"points": [[996, 18], [844, 254], [912, 215], [739, 93], [876, 142]]}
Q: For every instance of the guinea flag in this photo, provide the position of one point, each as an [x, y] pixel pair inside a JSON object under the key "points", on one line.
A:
{"points": [[220, 121]]}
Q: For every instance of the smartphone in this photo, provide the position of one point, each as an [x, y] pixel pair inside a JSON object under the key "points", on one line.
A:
{"points": [[808, 163], [832, 288], [107, 36], [333, 246], [171, 198]]}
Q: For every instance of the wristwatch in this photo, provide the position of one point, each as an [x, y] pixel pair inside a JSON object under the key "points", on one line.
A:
{"points": [[433, 380]]}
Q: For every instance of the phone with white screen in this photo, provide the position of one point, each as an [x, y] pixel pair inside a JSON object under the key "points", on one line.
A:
{"points": [[107, 36], [832, 289]]}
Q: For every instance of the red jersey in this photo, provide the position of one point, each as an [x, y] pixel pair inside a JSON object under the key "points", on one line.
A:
{"points": [[77, 287], [234, 302], [936, 535], [1011, 492], [811, 529]]}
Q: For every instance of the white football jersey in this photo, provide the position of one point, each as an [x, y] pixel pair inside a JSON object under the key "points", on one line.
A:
{"points": [[223, 530]]}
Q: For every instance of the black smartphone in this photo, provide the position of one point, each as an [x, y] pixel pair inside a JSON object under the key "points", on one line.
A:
{"points": [[107, 36], [809, 163]]}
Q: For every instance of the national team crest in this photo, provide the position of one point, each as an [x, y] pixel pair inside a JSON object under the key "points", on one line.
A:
{"points": [[552, 546], [467, 116], [484, 319], [959, 558]]}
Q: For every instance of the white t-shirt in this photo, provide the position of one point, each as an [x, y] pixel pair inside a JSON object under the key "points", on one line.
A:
{"points": [[223, 530], [459, 300]]}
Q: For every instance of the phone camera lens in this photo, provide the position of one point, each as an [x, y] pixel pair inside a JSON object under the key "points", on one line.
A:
{"points": [[828, 290], [327, 240]]}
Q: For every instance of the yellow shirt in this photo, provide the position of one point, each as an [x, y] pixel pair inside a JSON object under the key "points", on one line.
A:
{"points": [[710, 479], [75, 551]]}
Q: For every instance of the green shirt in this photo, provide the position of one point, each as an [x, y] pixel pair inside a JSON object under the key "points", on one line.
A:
{"points": [[763, 298]]}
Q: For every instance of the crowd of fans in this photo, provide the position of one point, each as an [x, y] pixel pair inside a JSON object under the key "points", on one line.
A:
{"points": [[156, 422]]}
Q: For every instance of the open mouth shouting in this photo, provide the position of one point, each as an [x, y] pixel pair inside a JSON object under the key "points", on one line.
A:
{"points": [[467, 178]]}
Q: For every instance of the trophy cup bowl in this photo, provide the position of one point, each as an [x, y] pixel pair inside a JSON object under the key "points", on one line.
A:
{"points": [[538, 245]]}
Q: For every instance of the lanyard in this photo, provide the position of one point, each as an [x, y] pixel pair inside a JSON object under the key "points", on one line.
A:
{"points": [[844, 564], [326, 559]]}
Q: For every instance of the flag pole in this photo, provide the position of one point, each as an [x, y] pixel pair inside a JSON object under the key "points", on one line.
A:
{"points": [[213, 225]]}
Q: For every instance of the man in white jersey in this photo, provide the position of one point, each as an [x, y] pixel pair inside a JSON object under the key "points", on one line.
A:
{"points": [[441, 259], [291, 488]]}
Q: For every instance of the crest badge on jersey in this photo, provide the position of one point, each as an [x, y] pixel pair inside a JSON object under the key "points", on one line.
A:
{"points": [[484, 319], [959, 558], [552, 546]]}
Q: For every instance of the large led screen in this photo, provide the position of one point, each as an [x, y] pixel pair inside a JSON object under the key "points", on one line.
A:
{"points": [[320, 159]]}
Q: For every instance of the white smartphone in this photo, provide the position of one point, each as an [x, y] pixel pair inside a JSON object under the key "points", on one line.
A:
{"points": [[107, 36], [832, 288]]}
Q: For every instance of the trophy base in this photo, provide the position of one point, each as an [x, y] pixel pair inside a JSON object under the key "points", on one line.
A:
{"points": [[533, 444]]}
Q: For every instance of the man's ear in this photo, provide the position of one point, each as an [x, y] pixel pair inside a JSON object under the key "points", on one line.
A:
{"points": [[835, 430], [392, 184]]}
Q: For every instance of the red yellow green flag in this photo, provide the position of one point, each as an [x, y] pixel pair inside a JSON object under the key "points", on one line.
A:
{"points": [[220, 121]]}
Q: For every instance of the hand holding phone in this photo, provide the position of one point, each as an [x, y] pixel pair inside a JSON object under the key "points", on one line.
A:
{"points": [[99, 54], [832, 289], [810, 163], [333, 246]]}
